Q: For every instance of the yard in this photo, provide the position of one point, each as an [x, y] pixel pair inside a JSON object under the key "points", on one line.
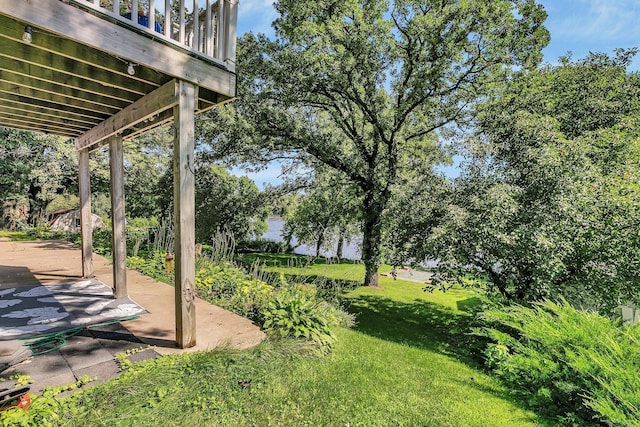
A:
{"points": [[405, 363]]}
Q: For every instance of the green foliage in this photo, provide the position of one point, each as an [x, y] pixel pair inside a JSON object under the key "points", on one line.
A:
{"points": [[295, 311], [282, 309], [222, 202], [233, 289], [147, 159], [46, 409], [550, 190], [575, 365], [43, 231], [326, 213], [34, 169], [153, 264], [261, 245], [63, 201], [389, 371], [138, 232], [373, 80]]}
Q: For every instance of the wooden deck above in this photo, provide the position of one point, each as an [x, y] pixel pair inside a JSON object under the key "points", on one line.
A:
{"points": [[84, 63]]}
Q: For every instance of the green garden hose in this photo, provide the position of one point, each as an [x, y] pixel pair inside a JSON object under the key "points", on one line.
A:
{"points": [[49, 342]]}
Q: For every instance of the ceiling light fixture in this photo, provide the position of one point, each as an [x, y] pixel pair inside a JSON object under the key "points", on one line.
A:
{"points": [[27, 36], [130, 69]]}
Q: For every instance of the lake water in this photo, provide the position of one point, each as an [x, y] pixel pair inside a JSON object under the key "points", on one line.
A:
{"points": [[350, 250]]}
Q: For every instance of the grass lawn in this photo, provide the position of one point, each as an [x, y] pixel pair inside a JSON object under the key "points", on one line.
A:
{"points": [[19, 236], [404, 364]]}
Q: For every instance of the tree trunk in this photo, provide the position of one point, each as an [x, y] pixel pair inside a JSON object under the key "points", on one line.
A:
{"points": [[319, 244], [371, 237], [341, 238]]}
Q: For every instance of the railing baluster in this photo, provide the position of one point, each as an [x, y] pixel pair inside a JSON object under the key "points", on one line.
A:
{"points": [[181, 25], [232, 23], [167, 18], [152, 15], [208, 30], [220, 35], [196, 33]]}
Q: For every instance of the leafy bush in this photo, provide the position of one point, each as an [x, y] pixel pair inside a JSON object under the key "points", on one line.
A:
{"points": [[575, 365], [295, 311], [280, 308], [233, 290], [101, 241], [46, 409], [152, 265]]}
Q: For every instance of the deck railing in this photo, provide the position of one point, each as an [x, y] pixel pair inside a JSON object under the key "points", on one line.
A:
{"points": [[204, 27]]}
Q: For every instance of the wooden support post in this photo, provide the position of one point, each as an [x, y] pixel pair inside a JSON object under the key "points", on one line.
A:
{"points": [[119, 242], [86, 228], [184, 202]]}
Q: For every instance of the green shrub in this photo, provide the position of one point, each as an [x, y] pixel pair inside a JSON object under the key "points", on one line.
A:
{"points": [[232, 289], [296, 312], [574, 365], [218, 281], [152, 265], [46, 409], [250, 300]]}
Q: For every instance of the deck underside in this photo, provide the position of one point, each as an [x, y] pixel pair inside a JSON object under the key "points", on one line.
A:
{"points": [[66, 81]]}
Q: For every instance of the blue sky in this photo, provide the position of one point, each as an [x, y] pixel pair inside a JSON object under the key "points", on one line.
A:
{"points": [[579, 26]]}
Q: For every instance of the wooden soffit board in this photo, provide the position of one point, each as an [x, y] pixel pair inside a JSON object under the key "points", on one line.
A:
{"points": [[61, 86], [92, 31]]}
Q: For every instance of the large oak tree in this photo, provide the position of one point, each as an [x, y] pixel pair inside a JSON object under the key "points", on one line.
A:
{"points": [[356, 83]]}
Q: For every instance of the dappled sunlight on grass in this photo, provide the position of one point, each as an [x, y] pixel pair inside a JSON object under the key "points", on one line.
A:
{"points": [[402, 312], [405, 363]]}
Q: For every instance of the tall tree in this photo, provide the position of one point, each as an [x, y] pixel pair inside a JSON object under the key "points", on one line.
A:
{"points": [[34, 169], [326, 212], [549, 202], [223, 202], [146, 159], [355, 83]]}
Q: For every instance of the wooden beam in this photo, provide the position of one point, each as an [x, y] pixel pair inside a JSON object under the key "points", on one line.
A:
{"points": [[73, 95], [143, 109], [119, 240], [107, 71], [9, 95], [32, 127], [28, 119], [86, 226], [51, 96], [14, 110], [98, 33], [26, 66], [184, 215]]}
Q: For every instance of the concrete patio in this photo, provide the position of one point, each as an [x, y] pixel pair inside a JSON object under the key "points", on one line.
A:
{"points": [[93, 351]]}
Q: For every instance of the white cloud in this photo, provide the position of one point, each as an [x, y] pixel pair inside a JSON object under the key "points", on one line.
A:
{"points": [[593, 20]]}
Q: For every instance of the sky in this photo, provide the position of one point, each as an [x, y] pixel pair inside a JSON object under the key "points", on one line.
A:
{"points": [[577, 26]]}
